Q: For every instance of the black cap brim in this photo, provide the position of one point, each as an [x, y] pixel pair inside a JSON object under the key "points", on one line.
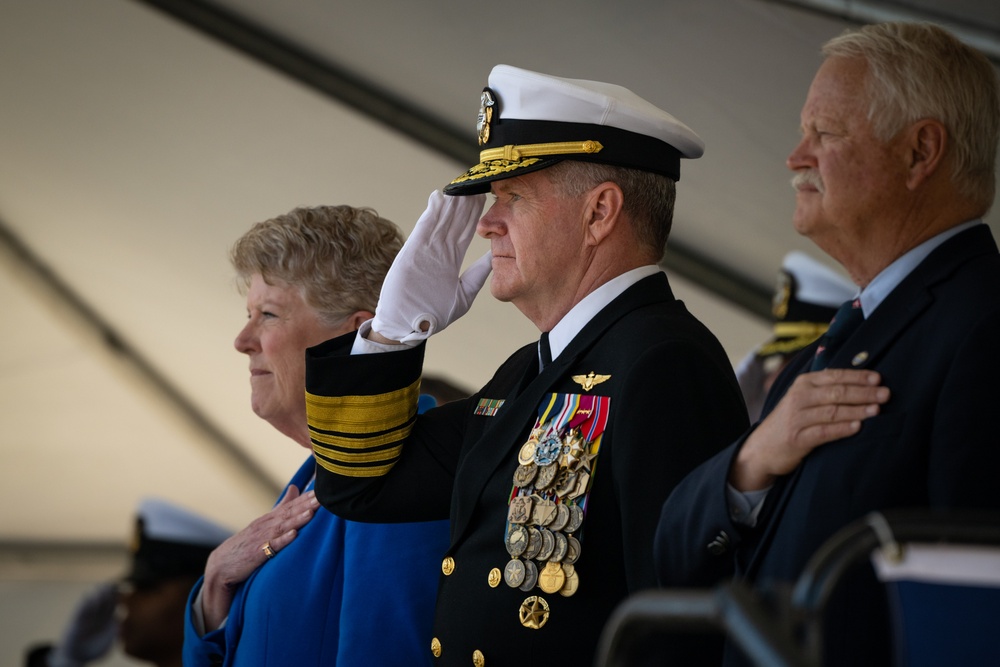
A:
{"points": [[594, 143]]}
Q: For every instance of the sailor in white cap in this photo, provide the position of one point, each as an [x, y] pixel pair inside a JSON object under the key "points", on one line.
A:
{"points": [[624, 379], [145, 610], [806, 298]]}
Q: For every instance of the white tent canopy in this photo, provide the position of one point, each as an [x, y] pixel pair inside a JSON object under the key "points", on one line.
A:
{"points": [[135, 148]]}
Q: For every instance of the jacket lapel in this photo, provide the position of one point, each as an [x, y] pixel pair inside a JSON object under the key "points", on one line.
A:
{"points": [[499, 441], [910, 299], [870, 342]]}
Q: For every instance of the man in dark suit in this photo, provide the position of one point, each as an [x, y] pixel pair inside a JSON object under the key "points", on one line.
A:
{"points": [[893, 172], [553, 473]]}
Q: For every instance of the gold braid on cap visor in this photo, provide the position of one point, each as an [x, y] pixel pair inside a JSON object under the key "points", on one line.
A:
{"points": [[792, 337], [796, 329], [495, 161], [511, 152]]}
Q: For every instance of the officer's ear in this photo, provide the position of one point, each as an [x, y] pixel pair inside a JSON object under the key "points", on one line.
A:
{"points": [[356, 319], [926, 142], [603, 211]]}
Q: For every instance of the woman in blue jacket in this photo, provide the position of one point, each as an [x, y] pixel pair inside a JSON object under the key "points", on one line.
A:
{"points": [[299, 585]]}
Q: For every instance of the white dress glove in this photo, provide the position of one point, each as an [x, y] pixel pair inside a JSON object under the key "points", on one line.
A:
{"points": [[424, 291], [91, 630]]}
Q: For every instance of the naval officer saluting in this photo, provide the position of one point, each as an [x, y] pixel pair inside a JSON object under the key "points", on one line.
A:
{"points": [[551, 474]]}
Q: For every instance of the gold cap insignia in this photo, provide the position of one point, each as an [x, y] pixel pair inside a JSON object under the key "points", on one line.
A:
{"points": [[782, 295], [486, 104], [590, 380]]}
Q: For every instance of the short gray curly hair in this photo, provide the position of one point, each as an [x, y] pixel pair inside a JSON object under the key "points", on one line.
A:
{"points": [[337, 255]]}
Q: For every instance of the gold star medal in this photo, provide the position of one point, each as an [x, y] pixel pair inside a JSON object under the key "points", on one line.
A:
{"points": [[534, 612]]}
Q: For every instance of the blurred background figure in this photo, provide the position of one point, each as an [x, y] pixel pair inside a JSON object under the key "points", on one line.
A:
{"points": [[437, 390], [145, 610], [806, 297]]}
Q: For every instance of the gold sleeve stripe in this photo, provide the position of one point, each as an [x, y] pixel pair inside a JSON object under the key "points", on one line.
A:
{"points": [[346, 471], [363, 414], [366, 457], [348, 443]]}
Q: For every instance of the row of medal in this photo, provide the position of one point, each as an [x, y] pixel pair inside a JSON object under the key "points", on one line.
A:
{"points": [[550, 482], [552, 473]]}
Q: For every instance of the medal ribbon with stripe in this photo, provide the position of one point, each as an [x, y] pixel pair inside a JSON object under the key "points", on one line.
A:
{"points": [[547, 502]]}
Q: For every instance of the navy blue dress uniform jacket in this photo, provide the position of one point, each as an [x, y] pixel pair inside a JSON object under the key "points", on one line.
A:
{"points": [[674, 402], [936, 443]]}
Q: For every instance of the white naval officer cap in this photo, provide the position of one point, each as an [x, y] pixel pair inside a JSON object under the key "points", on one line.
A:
{"points": [[806, 297], [529, 121], [170, 540]]}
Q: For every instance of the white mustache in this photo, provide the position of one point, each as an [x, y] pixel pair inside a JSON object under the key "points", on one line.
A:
{"points": [[808, 178]]}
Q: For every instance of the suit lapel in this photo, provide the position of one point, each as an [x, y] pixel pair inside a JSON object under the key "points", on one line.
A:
{"points": [[866, 347], [862, 350], [887, 323], [910, 299]]}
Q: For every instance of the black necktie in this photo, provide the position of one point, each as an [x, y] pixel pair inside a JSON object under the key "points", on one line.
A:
{"points": [[544, 351], [848, 318]]}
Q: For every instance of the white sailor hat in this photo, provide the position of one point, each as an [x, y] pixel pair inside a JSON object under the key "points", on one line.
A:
{"points": [[529, 121], [806, 297], [170, 541]]}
